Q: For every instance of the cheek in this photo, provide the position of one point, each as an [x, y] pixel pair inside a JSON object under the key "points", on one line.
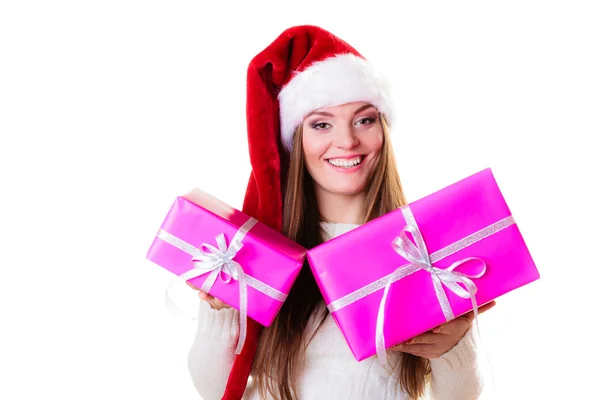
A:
{"points": [[313, 148], [375, 143]]}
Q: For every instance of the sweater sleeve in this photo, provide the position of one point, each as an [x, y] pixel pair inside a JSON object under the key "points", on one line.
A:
{"points": [[212, 352], [456, 374]]}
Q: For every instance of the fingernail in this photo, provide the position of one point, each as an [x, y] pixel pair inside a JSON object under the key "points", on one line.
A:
{"points": [[411, 341], [400, 346]]}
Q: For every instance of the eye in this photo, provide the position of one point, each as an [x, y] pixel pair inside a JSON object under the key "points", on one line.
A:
{"points": [[365, 121], [320, 126]]}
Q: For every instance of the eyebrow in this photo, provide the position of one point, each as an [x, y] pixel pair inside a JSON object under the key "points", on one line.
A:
{"points": [[326, 114], [363, 108]]}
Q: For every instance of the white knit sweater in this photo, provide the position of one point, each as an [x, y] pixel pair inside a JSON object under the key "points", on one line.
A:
{"points": [[329, 371]]}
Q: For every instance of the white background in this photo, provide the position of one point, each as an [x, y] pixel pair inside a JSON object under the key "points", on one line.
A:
{"points": [[109, 110]]}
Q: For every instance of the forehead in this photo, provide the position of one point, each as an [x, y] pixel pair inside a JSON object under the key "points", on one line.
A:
{"points": [[343, 109]]}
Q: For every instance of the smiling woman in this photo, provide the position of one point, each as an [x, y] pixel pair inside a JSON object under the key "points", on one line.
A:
{"points": [[341, 147], [321, 166]]}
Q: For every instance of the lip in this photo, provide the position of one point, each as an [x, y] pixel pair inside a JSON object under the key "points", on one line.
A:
{"points": [[347, 170], [347, 157]]}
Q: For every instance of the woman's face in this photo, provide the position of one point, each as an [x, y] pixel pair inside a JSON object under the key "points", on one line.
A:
{"points": [[341, 145]]}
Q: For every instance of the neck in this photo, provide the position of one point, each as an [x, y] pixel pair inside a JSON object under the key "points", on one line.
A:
{"points": [[342, 208]]}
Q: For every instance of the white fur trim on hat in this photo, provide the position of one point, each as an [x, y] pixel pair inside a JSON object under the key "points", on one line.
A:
{"points": [[344, 78]]}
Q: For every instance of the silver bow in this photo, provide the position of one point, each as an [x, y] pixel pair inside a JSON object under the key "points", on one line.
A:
{"points": [[217, 260], [418, 256]]}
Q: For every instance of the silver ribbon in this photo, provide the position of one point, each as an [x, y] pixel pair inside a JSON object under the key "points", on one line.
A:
{"points": [[418, 256], [217, 261]]}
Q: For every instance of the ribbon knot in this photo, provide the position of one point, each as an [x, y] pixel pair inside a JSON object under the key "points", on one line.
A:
{"points": [[210, 258], [418, 257]]}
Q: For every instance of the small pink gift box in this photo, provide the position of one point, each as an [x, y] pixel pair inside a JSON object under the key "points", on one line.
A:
{"points": [[221, 248], [417, 267]]}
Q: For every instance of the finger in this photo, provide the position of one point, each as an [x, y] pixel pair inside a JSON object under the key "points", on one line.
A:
{"points": [[420, 349], [426, 337], [192, 286], [212, 303], [450, 327], [470, 316], [423, 347], [486, 307], [439, 329], [204, 295], [219, 303], [445, 328]]}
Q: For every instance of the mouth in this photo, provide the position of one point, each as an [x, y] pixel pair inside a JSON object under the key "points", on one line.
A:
{"points": [[346, 162]]}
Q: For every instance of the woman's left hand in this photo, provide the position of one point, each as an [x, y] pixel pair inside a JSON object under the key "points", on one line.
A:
{"points": [[438, 341]]}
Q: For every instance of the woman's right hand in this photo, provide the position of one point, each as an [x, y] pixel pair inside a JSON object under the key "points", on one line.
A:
{"points": [[213, 301]]}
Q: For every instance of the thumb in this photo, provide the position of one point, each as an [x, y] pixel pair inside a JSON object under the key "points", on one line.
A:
{"points": [[204, 295]]}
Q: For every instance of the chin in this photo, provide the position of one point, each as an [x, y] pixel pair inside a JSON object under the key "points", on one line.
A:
{"points": [[348, 191]]}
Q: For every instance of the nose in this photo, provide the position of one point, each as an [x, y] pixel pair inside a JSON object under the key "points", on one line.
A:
{"points": [[346, 138]]}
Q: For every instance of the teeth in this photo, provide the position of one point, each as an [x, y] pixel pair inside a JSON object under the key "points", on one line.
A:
{"points": [[345, 163]]}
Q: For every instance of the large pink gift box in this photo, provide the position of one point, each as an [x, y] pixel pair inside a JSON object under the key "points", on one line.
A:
{"points": [[270, 261], [419, 266]]}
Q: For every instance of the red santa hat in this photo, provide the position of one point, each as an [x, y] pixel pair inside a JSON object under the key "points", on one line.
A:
{"points": [[304, 69]]}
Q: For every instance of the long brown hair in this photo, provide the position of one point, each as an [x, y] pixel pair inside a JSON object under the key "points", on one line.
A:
{"points": [[280, 345]]}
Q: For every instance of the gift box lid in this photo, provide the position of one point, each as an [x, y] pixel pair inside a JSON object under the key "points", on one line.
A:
{"points": [[236, 219]]}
